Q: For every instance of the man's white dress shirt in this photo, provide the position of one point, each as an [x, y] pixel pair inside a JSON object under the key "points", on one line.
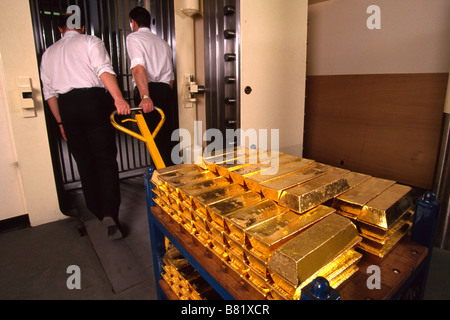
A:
{"points": [[75, 61], [153, 53]]}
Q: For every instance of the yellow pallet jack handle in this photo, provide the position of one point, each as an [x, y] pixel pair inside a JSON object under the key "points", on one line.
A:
{"points": [[146, 136]]}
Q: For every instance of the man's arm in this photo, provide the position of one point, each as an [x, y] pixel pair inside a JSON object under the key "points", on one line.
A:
{"points": [[110, 82], [141, 80], [54, 108]]}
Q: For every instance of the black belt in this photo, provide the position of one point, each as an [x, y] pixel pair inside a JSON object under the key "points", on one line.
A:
{"points": [[77, 90]]}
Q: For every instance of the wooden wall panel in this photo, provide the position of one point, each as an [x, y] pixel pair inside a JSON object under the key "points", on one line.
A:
{"points": [[386, 125]]}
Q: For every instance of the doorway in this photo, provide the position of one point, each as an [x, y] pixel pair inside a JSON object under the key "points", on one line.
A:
{"points": [[107, 20]]}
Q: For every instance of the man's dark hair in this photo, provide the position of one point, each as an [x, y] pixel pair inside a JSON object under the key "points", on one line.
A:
{"points": [[141, 16]]}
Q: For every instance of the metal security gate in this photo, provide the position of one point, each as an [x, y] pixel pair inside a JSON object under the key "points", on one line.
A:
{"points": [[222, 65], [108, 20]]}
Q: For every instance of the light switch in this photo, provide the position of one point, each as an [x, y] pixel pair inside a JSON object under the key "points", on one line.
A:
{"points": [[26, 97]]}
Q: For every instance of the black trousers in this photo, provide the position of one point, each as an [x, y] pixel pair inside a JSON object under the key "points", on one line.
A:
{"points": [[91, 140], [162, 97]]}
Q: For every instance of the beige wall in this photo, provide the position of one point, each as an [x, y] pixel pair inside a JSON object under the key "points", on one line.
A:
{"points": [[17, 51], [414, 37]]}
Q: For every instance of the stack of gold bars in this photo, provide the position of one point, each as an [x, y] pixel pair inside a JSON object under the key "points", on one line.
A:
{"points": [[184, 280], [381, 209], [272, 217]]}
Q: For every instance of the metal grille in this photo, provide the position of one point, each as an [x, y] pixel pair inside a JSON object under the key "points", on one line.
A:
{"points": [[108, 20], [222, 65]]}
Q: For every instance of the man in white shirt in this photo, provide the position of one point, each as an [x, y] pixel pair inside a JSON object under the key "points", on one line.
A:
{"points": [[81, 89], [153, 78]]}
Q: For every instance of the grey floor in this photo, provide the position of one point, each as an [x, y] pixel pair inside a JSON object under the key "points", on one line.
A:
{"points": [[34, 261]]}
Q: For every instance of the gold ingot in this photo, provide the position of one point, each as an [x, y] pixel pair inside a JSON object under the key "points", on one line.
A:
{"points": [[202, 290], [173, 171], [354, 179], [215, 231], [238, 175], [380, 250], [270, 235], [218, 249], [248, 217], [261, 156], [301, 257], [167, 277], [336, 271], [353, 200], [257, 261], [174, 258], [186, 192], [215, 194], [316, 191], [175, 183], [378, 233], [237, 262], [187, 211], [218, 210], [207, 158], [233, 158], [254, 181], [257, 281], [387, 207], [273, 189], [233, 244]]}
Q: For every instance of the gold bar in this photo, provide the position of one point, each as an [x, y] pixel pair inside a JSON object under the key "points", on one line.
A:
{"points": [[215, 231], [388, 206], [257, 261], [274, 188], [237, 262], [218, 249], [175, 183], [354, 179], [257, 281], [316, 191], [258, 157], [248, 217], [215, 194], [301, 257], [354, 199], [202, 290], [253, 181], [209, 158], [380, 251], [268, 236], [233, 244], [235, 157], [400, 227], [238, 175], [334, 272], [380, 234], [186, 192], [218, 210], [171, 170], [175, 171]]}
